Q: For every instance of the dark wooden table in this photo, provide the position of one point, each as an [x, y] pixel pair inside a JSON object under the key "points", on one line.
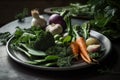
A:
{"points": [[109, 69]]}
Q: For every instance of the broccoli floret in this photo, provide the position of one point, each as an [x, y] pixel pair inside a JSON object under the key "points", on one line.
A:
{"points": [[44, 41]]}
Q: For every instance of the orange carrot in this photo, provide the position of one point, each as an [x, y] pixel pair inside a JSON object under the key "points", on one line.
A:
{"points": [[75, 49], [82, 56], [82, 45]]}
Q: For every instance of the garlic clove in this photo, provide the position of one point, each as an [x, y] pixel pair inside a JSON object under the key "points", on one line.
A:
{"points": [[54, 29]]}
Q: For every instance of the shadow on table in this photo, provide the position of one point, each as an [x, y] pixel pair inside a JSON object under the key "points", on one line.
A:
{"points": [[86, 73]]}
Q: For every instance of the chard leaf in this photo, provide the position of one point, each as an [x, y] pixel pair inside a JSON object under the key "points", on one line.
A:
{"points": [[33, 52], [47, 61], [24, 51]]}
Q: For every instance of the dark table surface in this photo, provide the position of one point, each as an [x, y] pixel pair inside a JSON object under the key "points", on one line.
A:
{"points": [[109, 69], [10, 8]]}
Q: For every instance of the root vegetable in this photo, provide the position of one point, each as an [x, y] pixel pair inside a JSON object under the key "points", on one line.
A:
{"points": [[83, 48], [91, 41], [75, 49], [93, 48], [57, 19]]}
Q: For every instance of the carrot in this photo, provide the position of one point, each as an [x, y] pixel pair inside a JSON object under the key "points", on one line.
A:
{"points": [[82, 45], [75, 49], [82, 56]]}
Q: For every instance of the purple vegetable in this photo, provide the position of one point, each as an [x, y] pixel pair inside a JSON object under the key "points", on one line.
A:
{"points": [[57, 19]]}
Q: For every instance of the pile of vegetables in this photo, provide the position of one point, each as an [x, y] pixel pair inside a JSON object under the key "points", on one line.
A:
{"points": [[58, 44], [76, 9], [105, 15]]}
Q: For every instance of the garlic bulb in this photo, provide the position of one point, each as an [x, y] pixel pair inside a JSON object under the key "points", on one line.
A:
{"points": [[37, 20], [54, 29]]}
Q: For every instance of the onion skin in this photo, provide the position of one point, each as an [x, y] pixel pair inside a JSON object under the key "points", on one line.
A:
{"points": [[57, 19]]}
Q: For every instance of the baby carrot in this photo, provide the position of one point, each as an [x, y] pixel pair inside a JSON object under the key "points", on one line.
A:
{"points": [[82, 56], [82, 45], [75, 49]]}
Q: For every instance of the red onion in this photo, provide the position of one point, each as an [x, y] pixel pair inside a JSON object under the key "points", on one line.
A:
{"points": [[57, 19]]}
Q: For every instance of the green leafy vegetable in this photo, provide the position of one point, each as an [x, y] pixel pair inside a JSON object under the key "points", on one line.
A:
{"points": [[67, 39], [24, 51], [85, 30], [4, 37], [20, 16], [106, 17], [49, 58], [76, 9], [47, 61], [57, 50], [32, 51], [18, 32], [44, 41], [65, 61]]}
